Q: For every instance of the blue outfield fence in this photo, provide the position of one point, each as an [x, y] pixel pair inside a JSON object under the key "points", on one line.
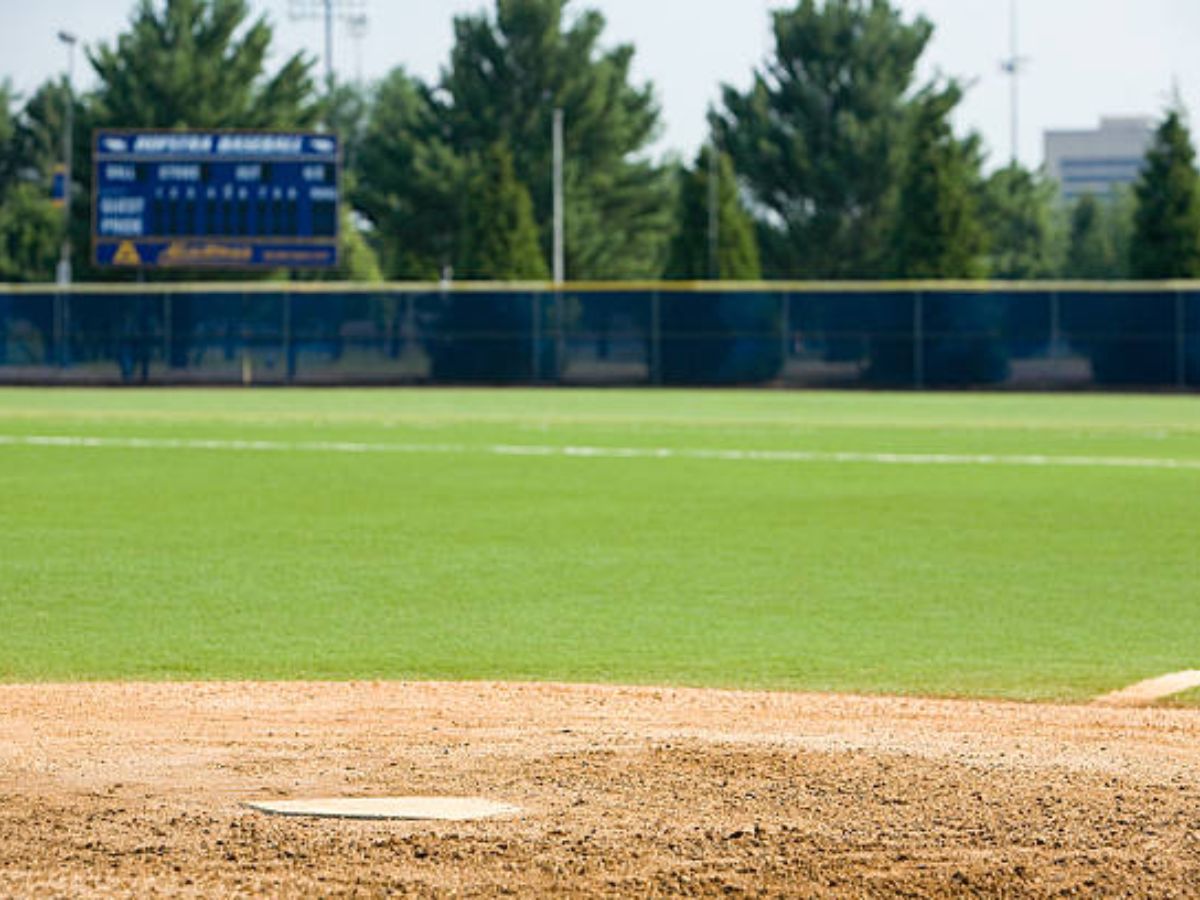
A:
{"points": [[868, 335]]}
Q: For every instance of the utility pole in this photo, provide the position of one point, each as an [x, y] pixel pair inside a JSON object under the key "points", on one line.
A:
{"points": [[1013, 66], [63, 276], [559, 257]]}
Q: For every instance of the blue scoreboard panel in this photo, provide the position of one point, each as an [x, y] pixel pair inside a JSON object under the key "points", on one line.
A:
{"points": [[217, 200]]}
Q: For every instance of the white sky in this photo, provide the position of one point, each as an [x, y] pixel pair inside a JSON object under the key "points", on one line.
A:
{"points": [[1087, 57]]}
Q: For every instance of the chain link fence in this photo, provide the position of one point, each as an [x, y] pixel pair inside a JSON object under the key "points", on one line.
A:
{"points": [[919, 336]]}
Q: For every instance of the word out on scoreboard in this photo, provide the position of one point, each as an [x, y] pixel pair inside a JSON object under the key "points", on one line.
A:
{"points": [[225, 200]]}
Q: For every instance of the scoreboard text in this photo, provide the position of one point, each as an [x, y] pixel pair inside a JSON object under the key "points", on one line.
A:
{"points": [[215, 199]]}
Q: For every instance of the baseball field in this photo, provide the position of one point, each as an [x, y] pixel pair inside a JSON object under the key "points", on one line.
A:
{"points": [[760, 642]]}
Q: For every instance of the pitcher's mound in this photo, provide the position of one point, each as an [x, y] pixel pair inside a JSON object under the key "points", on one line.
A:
{"points": [[441, 809]]}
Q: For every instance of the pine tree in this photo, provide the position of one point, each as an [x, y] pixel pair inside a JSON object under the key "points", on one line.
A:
{"points": [[938, 233], [39, 129], [506, 75], [30, 225], [1119, 213], [1023, 235], [737, 249], [1166, 237], [409, 181], [1088, 252], [818, 138], [1092, 252], [500, 241], [200, 64], [30, 230], [347, 113], [9, 158]]}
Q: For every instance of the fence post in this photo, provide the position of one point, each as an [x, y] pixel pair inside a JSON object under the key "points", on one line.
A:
{"points": [[56, 330], [785, 332], [289, 357], [1180, 342], [167, 328], [1055, 326], [62, 328], [655, 338], [535, 326], [560, 340], [919, 340], [408, 329]]}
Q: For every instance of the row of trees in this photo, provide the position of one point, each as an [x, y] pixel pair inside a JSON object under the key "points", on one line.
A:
{"points": [[837, 162]]}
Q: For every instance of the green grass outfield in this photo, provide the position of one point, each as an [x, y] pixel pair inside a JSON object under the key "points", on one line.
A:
{"points": [[448, 556]]}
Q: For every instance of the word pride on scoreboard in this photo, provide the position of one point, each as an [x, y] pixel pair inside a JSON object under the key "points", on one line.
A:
{"points": [[223, 200]]}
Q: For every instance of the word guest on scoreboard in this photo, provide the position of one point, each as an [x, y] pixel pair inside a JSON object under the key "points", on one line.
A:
{"points": [[215, 200]]}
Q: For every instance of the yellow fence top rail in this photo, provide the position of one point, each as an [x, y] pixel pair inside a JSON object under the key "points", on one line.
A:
{"points": [[595, 287]]}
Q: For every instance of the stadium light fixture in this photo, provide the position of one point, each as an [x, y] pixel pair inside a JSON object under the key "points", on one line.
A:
{"points": [[351, 12]]}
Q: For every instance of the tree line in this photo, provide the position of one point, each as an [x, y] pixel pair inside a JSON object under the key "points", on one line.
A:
{"points": [[837, 162]]}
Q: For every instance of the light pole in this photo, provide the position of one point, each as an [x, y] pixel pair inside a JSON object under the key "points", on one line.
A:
{"points": [[559, 260], [64, 260], [714, 209], [1013, 66]]}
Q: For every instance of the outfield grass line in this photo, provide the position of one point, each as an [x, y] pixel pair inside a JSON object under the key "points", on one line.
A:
{"points": [[593, 452], [141, 443]]}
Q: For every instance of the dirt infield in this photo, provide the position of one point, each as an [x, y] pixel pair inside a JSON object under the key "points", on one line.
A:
{"points": [[137, 789]]}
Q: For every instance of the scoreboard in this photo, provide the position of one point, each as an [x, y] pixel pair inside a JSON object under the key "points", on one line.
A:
{"points": [[223, 200]]}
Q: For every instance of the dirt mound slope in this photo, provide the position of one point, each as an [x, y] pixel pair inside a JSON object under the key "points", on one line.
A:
{"points": [[133, 789]]}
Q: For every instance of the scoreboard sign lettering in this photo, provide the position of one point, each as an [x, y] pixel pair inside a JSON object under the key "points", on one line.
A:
{"points": [[223, 200]]}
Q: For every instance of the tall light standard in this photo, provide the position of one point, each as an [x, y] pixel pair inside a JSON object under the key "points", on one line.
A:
{"points": [[559, 258], [714, 209], [1013, 66], [64, 260]]}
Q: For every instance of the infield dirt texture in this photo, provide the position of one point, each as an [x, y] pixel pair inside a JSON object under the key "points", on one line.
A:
{"points": [[214, 597], [135, 790]]}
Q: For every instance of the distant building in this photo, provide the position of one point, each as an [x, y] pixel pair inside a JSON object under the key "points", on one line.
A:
{"points": [[1100, 161]]}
